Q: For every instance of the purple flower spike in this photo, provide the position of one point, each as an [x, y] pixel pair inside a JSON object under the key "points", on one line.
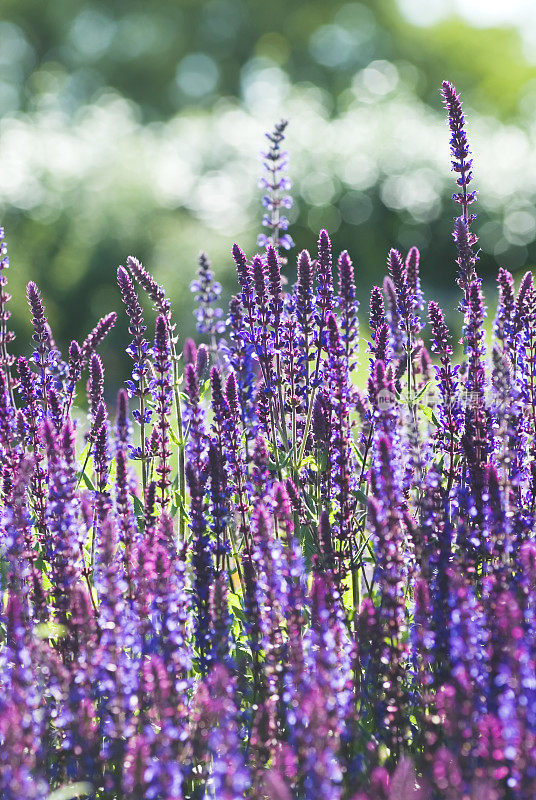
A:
{"points": [[321, 419], [162, 395], [39, 320], [276, 185], [95, 389], [151, 287], [466, 257], [201, 363], [138, 386], [325, 278], [97, 335], [206, 292], [377, 309], [202, 566], [348, 307], [243, 270], [459, 148], [189, 352]]}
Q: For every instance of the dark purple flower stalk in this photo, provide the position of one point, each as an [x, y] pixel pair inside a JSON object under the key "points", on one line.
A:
{"points": [[381, 390], [271, 594], [101, 460], [189, 353], [396, 326], [95, 387], [377, 309], [526, 371], [244, 277], [10, 449], [288, 370], [54, 408], [391, 575], [274, 290], [202, 565], [340, 452], [219, 504], [235, 458], [163, 307], [18, 545], [31, 416], [240, 356], [122, 423], [466, 261], [128, 531], [322, 420], [220, 621], [324, 299], [381, 347], [137, 350], [206, 292], [260, 333], [304, 303], [276, 184], [61, 517], [162, 394], [399, 277], [503, 324], [260, 474], [413, 279], [97, 336], [40, 337], [202, 363], [476, 439], [450, 412], [348, 307], [197, 442], [75, 366], [151, 287]]}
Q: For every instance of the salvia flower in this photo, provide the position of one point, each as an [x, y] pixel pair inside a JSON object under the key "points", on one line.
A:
{"points": [[97, 335], [206, 292], [276, 185]]}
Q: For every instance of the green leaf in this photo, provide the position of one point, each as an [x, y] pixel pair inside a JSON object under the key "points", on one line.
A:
{"points": [[359, 494], [87, 481], [50, 630], [238, 612], [71, 790], [429, 414], [421, 392], [308, 544]]}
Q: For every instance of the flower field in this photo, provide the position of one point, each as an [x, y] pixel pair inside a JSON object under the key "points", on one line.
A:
{"points": [[253, 579]]}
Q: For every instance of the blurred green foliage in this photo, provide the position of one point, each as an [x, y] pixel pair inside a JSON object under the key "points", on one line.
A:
{"points": [[134, 127]]}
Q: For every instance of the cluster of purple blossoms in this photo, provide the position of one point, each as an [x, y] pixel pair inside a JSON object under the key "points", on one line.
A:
{"points": [[276, 185], [275, 585]]}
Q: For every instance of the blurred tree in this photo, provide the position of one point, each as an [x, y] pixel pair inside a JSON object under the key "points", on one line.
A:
{"points": [[134, 127]]}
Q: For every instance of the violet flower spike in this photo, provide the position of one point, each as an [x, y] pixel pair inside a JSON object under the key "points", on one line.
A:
{"points": [[276, 185], [206, 292], [459, 148], [97, 336], [162, 394]]}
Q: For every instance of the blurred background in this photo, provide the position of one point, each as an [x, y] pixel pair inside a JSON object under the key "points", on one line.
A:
{"points": [[135, 128]]}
